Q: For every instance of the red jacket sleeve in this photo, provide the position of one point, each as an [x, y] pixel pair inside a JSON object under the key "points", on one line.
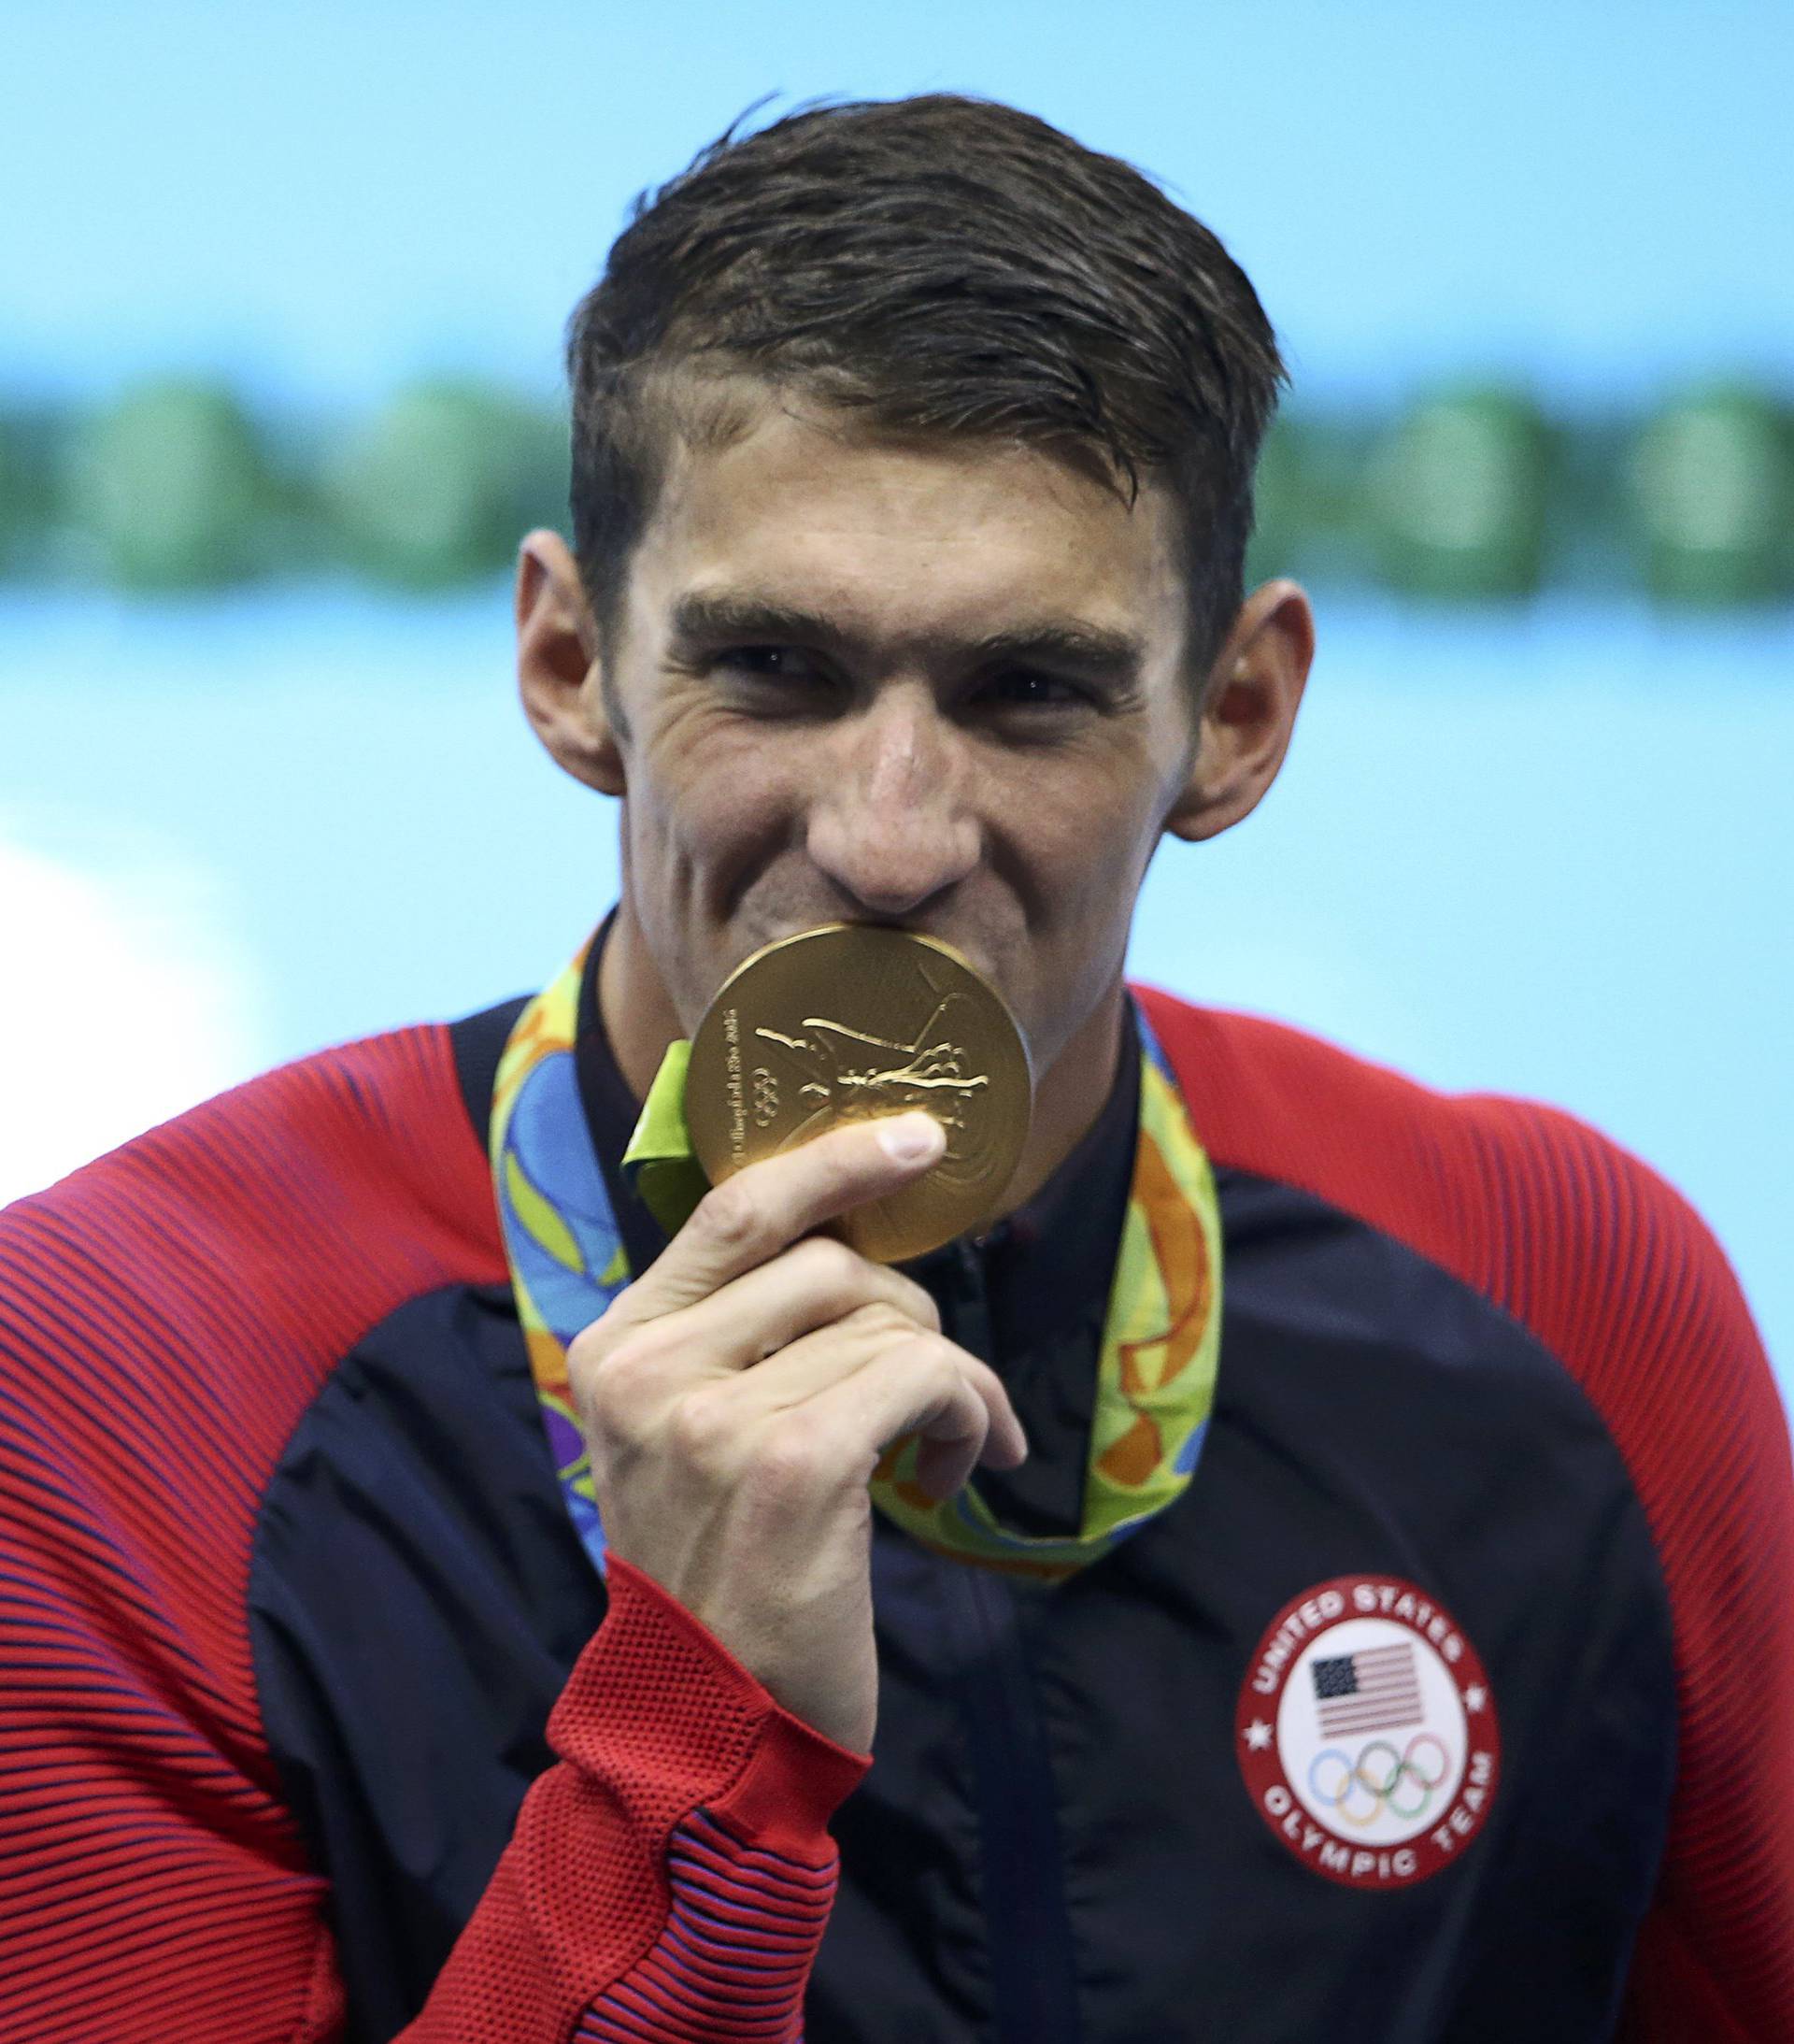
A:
{"points": [[669, 1880], [165, 1318], [1708, 1446]]}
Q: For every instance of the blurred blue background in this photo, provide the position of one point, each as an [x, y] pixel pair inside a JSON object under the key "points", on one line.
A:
{"points": [[1538, 847]]}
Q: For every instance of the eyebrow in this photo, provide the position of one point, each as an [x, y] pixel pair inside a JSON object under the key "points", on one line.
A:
{"points": [[740, 618]]}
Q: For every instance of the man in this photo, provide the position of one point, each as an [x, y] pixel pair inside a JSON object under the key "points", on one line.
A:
{"points": [[1317, 1562]]}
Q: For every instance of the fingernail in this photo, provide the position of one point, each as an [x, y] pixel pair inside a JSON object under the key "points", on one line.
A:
{"points": [[907, 1139]]}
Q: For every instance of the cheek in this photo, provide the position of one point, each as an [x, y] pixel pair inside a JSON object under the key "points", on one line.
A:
{"points": [[1085, 835], [700, 808]]}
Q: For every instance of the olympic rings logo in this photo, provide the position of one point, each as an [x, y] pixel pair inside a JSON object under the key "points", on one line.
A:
{"points": [[1380, 1779], [766, 1097]]}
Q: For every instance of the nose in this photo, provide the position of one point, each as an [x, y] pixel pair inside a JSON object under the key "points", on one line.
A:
{"points": [[891, 822]]}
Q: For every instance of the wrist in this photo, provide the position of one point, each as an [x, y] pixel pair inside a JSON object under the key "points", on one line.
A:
{"points": [[670, 1718]]}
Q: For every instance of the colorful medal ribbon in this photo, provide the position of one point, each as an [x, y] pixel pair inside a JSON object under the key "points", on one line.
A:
{"points": [[1161, 1341]]}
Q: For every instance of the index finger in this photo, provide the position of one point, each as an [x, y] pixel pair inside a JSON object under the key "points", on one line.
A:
{"points": [[767, 1206]]}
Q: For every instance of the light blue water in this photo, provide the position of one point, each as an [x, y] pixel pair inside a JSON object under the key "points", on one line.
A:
{"points": [[1548, 853]]}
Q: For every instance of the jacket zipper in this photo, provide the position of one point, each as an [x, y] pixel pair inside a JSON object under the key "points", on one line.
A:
{"points": [[1033, 1981]]}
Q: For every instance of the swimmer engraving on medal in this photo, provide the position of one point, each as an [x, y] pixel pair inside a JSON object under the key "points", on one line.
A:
{"points": [[851, 1075]]}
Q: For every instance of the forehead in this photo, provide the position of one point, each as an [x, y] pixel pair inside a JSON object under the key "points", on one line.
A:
{"points": [[813, 506]]}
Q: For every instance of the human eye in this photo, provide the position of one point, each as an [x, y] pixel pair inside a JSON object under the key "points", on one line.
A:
{"points": [[772, 680], [1028, 689], [769, 669], [765, 663]]}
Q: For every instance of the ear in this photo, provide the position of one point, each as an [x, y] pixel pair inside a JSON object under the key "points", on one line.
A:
{"points": [[559, 673], [1249, 705]]}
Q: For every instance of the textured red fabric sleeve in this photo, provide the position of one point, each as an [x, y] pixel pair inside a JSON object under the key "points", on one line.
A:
{"points": [[669, 1880], [1614, 1273], [165, 1316]]}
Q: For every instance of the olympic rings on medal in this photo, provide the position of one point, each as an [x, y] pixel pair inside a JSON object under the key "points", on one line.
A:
{"points": [[1380, 1779]]}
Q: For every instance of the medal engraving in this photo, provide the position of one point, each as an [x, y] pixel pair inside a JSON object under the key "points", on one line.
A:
{"points": [[847, 1024]]}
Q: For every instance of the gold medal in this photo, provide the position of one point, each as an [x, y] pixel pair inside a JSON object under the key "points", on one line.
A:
{"points": [[848, 1023]]}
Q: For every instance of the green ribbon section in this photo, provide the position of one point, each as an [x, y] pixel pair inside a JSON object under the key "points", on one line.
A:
{"points": [[658, 1162]]}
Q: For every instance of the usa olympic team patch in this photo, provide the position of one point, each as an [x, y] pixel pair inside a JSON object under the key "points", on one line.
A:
{"points": [[1367, 1732]]}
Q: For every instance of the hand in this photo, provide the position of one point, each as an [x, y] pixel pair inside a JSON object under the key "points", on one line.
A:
{"points": [[735, 1400]]}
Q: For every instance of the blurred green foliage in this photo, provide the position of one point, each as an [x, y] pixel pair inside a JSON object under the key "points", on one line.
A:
{"points": [[170, 488], [1470, 492], [1458, 495], [1712, 497], [26, 495], [441, 485]]}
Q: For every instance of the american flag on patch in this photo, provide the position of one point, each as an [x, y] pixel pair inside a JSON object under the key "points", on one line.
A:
{"points": [[1367, 1691]]}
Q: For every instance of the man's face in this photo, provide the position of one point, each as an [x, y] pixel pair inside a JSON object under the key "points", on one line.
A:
{"points": [[920, 681]]}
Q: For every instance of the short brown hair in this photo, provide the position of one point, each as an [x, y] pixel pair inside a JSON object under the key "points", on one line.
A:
{"points": [[942, 264]]}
